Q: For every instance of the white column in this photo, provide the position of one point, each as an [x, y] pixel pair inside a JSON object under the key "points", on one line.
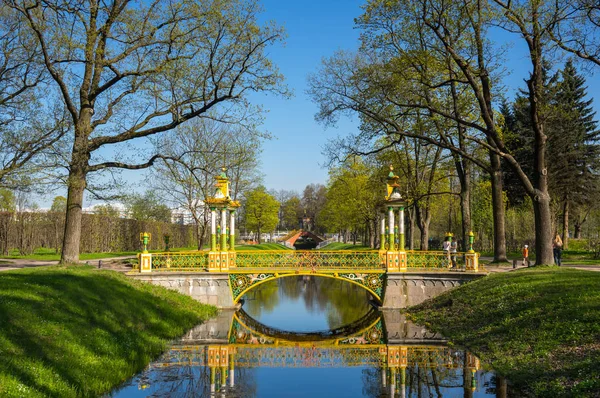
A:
{"points": [[401, 221], [213, 222], [392, 244], [223, 230]]}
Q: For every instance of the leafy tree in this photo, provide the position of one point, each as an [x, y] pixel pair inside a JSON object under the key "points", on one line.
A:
{"points": [[207, 146], [574, 146], [261, 210], [147, 207], [25, 132], [291, 213], [129, 71], [351, 202], [7, 200], [107, 211], [59, 204], [313, 200]]}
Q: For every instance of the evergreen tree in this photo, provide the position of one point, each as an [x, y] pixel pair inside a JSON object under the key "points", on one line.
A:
{"points": [[574, 147]]}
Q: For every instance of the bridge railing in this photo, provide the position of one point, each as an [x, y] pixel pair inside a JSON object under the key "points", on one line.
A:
{"points": [[434, 259], [180, 261], [309, 259]]}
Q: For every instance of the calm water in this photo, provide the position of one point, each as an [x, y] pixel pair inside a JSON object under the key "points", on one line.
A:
{"points": [[312, 337]]}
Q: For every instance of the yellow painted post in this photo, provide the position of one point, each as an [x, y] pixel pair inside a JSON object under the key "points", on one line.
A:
{"points": [[145, 262]]}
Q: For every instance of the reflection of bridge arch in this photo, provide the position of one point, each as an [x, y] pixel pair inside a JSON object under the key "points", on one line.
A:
{"points": [[366, 330], [370, 280]]}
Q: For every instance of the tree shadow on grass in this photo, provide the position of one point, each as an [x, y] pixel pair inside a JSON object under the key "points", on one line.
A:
{"points": [[90, 329]]}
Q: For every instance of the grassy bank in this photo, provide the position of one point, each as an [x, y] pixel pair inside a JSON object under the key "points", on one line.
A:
{"points": [[76, 331], [539, 327], [44, 254], [345, 246], [262, 246]]}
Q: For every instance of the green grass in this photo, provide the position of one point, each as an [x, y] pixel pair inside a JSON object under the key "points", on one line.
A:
{"points": [[44, 254], [75, 331], [539, 327], [262, 246], [345, 246]]}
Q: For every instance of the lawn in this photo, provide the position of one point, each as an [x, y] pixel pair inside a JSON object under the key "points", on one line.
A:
{"points": [[539, 327], [345, 246], [263, 246], [76, 331], [45, 254]]}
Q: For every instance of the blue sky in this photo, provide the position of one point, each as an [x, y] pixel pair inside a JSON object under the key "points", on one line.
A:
{"points": [[315, 29]]}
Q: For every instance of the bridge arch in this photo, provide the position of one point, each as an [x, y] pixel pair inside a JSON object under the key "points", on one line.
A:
{"points": [[242, 283]]}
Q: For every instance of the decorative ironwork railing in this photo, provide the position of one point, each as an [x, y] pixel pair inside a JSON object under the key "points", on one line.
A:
{"points": [[434, 259], [253, 355], [180, 261], [309, 259]]}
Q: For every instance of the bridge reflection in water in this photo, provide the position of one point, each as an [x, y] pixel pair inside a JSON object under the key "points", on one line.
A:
{"points": [[398, 358]]}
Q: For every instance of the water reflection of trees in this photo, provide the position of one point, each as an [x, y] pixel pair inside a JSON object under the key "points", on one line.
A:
{"points": [[187, 381], [341, 302]]}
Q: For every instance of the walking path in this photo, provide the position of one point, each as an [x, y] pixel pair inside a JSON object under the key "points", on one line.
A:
{"points": [[113, 263]]}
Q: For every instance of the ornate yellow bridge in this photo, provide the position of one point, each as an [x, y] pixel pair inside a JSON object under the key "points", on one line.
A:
{"points": [[247, 269], [373, 270]]}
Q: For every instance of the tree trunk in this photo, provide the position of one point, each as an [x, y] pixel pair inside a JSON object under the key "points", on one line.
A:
{"points": [[72, 236], [259, 236], [577, 233], [543, 230], [498, 210], [565, 233], [199, 235], [411, 229]]}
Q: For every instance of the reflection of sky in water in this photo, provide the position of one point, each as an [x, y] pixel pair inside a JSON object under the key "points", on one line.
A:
{"points": [[301, 382], [311, 309], [292, 314]]}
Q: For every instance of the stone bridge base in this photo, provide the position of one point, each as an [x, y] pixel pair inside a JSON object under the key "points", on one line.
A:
{"points": [[206, 287], [405, 289], [402, 289]]}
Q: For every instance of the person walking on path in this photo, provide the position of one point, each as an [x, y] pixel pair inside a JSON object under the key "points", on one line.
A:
{"points": [[446, 249], [525, 255], [453, 251], [557, 249]]}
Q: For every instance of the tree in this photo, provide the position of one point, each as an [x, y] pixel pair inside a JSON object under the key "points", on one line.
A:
{"points": [[59, 204], [574, 28], [25, 133], [291, 213], [147, 207], [207, 146], [128, 71], [393, 76], [107, 211], [261, 210], [351, 202], [313, 200], [574, 147]]}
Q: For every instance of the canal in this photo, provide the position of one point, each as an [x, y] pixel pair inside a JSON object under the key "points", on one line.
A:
{"points": [[306, 336]]}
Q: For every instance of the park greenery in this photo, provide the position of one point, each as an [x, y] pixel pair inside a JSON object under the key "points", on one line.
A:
{"points": [[74, 332], [538, 327], [426, 84]]}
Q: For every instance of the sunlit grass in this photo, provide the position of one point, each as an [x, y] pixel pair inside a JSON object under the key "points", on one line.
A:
{"points": [[262, 246], [539, 327], [75, 331], [45, 254], [345, 246]]}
